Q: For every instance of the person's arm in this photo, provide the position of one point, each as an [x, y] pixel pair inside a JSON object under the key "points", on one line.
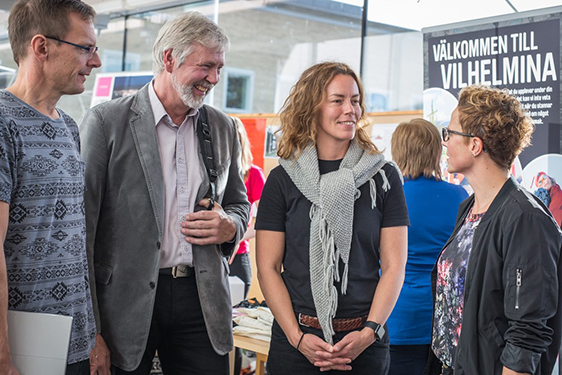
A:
{"points": [[6, 365], [231, 259], [530, 246], [393, 245], [507, 371], [270, 248], [251, 232], [256, 185], [94, 155], [255, 189], [8, 155], [394, 253]]}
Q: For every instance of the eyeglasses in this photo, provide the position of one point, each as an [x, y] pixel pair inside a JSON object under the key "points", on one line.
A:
{"points": [[89, 50], [446, 134]]}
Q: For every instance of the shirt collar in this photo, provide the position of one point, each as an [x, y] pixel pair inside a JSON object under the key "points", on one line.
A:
{"points": [[160, 112], [157, 108]]}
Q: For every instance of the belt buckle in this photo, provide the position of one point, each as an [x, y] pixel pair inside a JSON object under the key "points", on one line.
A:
{"points": [[301, 322], [178, 269]]}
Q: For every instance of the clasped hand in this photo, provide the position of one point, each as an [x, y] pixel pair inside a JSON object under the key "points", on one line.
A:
{"points": [[208, 227], [338, 356]]}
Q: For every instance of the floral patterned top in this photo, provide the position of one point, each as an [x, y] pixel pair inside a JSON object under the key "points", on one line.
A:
{"points": [[449, 296]]}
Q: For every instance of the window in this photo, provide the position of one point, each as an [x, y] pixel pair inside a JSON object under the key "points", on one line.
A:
{"points": [[238, 95]]}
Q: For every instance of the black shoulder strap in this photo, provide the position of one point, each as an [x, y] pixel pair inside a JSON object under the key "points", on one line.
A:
{"points": [[206, 145]]}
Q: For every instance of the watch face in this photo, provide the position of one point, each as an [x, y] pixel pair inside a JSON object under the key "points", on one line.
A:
{"points": [[380, 332]]}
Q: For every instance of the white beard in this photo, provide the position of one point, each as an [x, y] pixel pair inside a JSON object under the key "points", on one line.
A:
{"points": [[186, 94]]}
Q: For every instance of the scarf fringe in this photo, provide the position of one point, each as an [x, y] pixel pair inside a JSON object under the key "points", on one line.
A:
{"points": [[330, 260], [373, 191], [373, 187], [385, 183], [332, 255]]}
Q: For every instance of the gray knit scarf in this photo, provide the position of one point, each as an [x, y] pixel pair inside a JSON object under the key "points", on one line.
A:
{"points": [[331, 219]]}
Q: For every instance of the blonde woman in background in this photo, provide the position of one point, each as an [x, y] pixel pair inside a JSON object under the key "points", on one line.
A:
{"points": [[432, 206], [254, 179]]}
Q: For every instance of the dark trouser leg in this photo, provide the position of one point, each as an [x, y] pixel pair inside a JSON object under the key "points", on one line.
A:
{"points": [[408, 359], [185, 347], [178, 333], [79, 368], [237, 361], [242, 267]]}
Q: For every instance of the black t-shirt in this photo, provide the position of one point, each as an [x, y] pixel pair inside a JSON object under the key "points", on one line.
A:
{"points": [[283, 208]]}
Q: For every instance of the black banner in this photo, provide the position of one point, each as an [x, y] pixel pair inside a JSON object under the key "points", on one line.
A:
{"points": [[524, 58]]}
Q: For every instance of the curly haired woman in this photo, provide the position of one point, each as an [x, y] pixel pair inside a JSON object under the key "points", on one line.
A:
{"points": [[497, 280], [331, 216]]}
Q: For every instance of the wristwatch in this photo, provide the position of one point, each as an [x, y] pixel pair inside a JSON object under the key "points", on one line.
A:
{"points": [[377, 328]]}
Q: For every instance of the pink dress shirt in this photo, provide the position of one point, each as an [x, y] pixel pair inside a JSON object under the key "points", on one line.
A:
{"points": [[181, 169]]}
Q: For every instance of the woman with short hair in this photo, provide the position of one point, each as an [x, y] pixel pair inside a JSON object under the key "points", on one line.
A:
{"points": [[497, 280]]}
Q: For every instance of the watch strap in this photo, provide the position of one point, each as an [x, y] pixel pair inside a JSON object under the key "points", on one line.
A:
{"points": [[377, 328]]}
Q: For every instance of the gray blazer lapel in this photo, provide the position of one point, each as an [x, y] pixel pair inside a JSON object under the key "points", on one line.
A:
{"points": [[146, 142]]}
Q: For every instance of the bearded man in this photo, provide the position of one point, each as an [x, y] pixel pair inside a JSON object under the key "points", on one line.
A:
{"points": [[161, 220]]}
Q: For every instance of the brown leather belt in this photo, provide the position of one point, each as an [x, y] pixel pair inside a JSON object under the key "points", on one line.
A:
{"points": [[339, 325]]}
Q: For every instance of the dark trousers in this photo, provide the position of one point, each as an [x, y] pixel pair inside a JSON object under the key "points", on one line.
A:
{"points": [[283, 359], [79, 368], [178, 333], [242, 267], [408, 359]]}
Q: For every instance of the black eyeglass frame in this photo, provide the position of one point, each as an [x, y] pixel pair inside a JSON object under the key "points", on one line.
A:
{"points": [[91, 50], [445, 134]]}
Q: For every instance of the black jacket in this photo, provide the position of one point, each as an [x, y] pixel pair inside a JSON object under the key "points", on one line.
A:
{"points": [[513, 288]]}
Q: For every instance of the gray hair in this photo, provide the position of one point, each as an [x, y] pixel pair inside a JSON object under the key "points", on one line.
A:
{"points": [[181, 33]]}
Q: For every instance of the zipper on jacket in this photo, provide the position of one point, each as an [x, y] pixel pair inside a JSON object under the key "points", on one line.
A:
{"points": [[518, 287]]}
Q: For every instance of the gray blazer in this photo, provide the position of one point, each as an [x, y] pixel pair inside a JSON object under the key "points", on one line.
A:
{"points": [[124, 204]]}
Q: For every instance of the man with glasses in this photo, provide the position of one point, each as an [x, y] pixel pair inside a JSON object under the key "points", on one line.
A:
{"points": [[160, 227], [43, 262], [87, 50]]}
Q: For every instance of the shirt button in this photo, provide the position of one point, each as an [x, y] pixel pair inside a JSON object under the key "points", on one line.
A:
{"points": [[152, 284], [182, 189], [158, 245], [180, 160]]}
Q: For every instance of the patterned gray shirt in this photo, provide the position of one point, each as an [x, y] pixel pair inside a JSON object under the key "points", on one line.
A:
{"points": [[42, 179]]}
